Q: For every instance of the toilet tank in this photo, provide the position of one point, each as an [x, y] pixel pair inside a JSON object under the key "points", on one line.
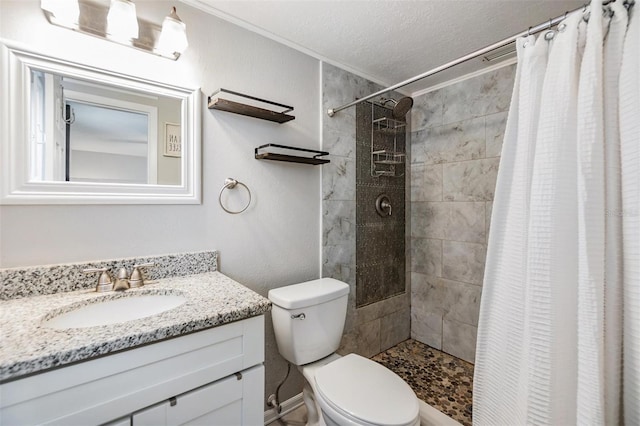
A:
{"points": [[308, 318]]}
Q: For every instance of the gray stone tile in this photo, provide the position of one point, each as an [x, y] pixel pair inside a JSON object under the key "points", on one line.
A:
{"points": [[349, 344], [369, 338], [395, 328], [470, 180], [426, 256], [342, 123], [340, 87], [463, 261], [426, 182], [352, 315], [338, 142], [465, 222], [459, 340], [418, 213], [338, 222], [427, 293], [383, 308], [339, 262], [486, 94], [461, 302], [427, 110], [456, 221], [495, 127], [418, 141], [460, 141], [339, 179], [426, 327]]}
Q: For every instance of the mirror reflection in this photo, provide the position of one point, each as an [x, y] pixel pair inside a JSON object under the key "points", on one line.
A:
{"points": [[82, 131]]}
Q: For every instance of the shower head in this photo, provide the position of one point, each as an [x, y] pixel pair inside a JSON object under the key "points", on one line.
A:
{"points": [[401, 107]]}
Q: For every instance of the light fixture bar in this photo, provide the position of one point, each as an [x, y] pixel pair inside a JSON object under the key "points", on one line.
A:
{"points": [[91, 21]]}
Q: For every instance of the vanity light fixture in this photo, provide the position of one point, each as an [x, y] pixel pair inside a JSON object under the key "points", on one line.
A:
{"points": [[119, 23], [122, 21]]}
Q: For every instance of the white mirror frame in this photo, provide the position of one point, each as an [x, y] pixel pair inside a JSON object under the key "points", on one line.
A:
{"points": [[15, 66]]}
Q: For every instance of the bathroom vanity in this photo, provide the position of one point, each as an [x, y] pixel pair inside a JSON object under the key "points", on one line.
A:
{"points": [[199, 361]]}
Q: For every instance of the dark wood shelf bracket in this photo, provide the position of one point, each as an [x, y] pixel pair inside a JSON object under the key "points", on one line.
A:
{"points": [[279, 156], [215, 101]]}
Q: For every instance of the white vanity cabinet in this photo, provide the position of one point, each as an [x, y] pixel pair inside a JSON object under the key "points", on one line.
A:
{"points": [[225, 402], [213, 377]]}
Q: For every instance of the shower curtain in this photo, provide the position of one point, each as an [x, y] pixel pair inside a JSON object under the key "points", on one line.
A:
{"points": [[559, 328]]}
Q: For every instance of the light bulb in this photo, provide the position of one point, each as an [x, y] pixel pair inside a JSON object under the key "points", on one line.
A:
{"points": [[122, 21], [173, 38]]}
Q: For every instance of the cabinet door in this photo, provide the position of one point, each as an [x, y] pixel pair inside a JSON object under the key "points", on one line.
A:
{"points": [[230, 401]]}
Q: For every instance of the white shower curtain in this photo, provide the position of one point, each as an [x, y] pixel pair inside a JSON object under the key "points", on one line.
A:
{"points": [[559, 329]]}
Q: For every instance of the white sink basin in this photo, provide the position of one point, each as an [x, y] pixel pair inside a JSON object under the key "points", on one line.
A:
{"points": [[114, 311]]}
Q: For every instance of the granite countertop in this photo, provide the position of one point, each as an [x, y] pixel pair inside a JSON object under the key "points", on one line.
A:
{"points": [[27, 346]]}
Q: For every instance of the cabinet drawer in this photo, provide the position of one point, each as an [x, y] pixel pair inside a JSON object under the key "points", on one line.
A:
{"points": [[229, 401]]}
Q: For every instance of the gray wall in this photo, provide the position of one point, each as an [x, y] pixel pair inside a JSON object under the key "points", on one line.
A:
{"points": [[455, 151], [377, 326]]}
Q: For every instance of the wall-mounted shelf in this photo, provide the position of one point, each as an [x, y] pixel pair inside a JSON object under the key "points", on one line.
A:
{"points": [[215, 101], [279, 153]]}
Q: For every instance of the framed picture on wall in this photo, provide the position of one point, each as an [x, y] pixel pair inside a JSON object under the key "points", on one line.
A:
{"points": [[172, 142]]}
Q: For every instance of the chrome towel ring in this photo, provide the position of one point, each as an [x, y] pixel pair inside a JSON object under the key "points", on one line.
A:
{"points": [[230, 183]]}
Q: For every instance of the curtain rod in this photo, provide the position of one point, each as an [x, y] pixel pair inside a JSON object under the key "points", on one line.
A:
{"points": [[532, 30]]}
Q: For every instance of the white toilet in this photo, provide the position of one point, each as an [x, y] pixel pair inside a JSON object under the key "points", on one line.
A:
{"points": [[308, 320]]}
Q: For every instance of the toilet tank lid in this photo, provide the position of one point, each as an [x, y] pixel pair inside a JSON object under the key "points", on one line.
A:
{"points": [[308, 293]]}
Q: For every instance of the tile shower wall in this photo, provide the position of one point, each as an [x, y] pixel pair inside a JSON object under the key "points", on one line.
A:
{"points": [[455, 151], [376, 326]]}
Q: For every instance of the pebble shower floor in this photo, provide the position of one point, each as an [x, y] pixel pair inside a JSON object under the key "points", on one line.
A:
{"points": [[439, 379]]}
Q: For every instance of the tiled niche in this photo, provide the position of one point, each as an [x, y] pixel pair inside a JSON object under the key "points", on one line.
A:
{"points": [[456, 141]]}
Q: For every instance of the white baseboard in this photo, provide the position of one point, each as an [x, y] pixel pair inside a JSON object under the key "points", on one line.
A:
{"points": [[287, 406]]}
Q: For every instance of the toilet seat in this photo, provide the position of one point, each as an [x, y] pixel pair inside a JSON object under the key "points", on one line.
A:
{"points": [[375, 395]]}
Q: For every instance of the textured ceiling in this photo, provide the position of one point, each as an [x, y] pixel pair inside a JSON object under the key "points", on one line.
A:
{"points": [[390, 41]]}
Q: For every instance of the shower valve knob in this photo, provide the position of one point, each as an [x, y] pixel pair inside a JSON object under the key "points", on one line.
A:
{"points": [[383, 205]]}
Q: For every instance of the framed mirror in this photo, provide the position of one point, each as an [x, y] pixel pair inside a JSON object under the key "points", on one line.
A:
{"points": [[73, 134]]}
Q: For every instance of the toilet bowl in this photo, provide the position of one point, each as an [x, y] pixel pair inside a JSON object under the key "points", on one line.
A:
{"points": [[353, 390], [308, 320]]}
